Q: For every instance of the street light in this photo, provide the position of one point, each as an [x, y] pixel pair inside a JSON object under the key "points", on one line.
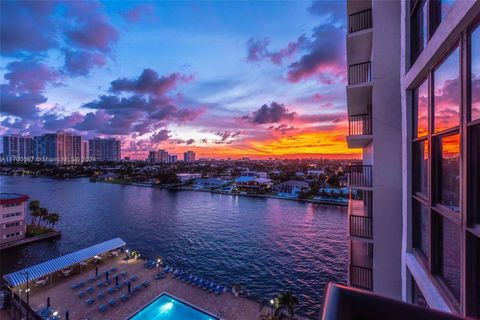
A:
{"points": [[27, 290], [158, 268]]}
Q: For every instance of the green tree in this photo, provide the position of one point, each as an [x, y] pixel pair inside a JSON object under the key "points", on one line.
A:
{"points": [[53, 218], [43, 213], [285, 300], [34, 207]]}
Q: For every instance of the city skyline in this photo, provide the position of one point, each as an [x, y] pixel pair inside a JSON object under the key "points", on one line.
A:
{"points": [[226, 80]]}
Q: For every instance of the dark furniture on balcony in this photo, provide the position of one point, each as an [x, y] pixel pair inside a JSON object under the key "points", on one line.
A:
{"points": [[341, 302]]}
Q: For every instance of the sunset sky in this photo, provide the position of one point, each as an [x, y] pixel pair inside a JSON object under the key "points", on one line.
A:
{"points": [[225, 79]]}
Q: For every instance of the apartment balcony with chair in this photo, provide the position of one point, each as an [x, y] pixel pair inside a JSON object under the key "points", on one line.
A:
{"points": [[359, 130], [360, 176]]}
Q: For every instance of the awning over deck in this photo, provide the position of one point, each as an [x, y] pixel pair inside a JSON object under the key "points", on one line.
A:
{"points": [[45, 268]]}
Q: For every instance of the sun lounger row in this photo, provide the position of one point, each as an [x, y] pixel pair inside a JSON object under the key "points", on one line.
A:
{"points": [[124, 297], [199, 282]]}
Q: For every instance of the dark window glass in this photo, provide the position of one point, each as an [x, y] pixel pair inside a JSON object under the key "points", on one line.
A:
{"points": [[421, 110], [417, 296], [421, 228], [473, 177], [420, 175], [473, 276], [419, 27], [448, 174], [447, 93], [475, 73], [450, 261]]}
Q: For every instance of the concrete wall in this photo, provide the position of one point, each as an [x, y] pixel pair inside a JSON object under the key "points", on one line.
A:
{"points": [[7, 220], [387, 151]]}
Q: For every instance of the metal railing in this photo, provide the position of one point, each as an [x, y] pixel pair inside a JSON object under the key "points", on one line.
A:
{"points": [[360, 175], [361, 277], [361, 226], [359, 73], [360, 124], [360, 21]]}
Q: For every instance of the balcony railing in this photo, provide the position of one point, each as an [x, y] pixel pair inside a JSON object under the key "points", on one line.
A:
{"points": [[360, 124], [360, 176], [361, 277], [361, 226], [360, 21], [359, 73]]}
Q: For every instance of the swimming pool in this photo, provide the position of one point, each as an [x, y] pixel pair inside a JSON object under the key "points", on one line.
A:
{"points": [[166, 307]]}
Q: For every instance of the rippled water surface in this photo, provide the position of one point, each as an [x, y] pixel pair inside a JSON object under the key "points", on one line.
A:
{"points": [[267, 245]]}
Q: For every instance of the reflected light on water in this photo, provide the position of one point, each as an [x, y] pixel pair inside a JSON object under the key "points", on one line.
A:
{"points": [[167, 307]]}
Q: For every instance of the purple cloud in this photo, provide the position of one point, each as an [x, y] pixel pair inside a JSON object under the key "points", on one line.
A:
{"points": [[224, 135], [149, 82], [137, 13], [160, 136], [23, 105], [29, 76], [257, 50], [270, 114], [80, 62]]}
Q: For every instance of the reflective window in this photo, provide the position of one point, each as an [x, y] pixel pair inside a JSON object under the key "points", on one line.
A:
{"points": [[450, 267], [421, 110], [473, 176], [447, 93], [420, 176], [421, 228], [419, 29], [449, 172], [475, 73]]}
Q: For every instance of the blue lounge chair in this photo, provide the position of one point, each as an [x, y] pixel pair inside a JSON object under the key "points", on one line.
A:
{"points": [[118, 287], [101, 295], [81, 294], [90, 289], [145, 283], [126, 282], [111, 290], [90, 301], [124, 297], [123, 273], [112, 302], [100, 284], [102, 308], [134, 278]]}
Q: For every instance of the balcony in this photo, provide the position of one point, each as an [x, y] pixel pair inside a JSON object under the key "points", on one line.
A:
{"points": [[361, 226], [360, 21], [345, 303], [359, 73], [361, 277], [359, 130], [360, 176]]}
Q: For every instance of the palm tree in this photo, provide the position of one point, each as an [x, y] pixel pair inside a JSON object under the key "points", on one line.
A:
{"points": [[34, 206], [53, 218], [285, 300], [43, 215]]}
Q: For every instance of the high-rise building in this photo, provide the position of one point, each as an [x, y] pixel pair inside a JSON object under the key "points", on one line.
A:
{"points": [[152, 157], [440, 85], [18, 148], [60, 147], [104, 149], [375, 122], [172, 158], [189, 156], [163, 156], [413, 77]]}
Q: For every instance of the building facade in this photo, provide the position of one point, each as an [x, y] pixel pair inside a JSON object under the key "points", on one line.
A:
{"points": [[104, 149], [374, 116], [189, 156], [60, 147], [440, 78], [18, 148], [13, 208]]}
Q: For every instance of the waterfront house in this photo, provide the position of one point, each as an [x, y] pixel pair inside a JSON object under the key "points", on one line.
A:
{"points": [[291, 188], [109, 176], [258, 174], [210, 182], [252, 184], [13, 208], [186, 177]]}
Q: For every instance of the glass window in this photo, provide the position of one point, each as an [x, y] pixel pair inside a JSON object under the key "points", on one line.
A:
{"points": [[419, 29], [420, 175], [417, 296], [448, 174], [473, 176], [421, 228], [450, 259], [475, 73], [421, 110], [447, 93]]}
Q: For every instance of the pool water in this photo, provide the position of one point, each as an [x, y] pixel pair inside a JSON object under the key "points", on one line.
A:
{"points": [[166, 307]]}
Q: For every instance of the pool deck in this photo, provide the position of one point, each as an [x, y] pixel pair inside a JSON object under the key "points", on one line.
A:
{"points": [[64, 298]]}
